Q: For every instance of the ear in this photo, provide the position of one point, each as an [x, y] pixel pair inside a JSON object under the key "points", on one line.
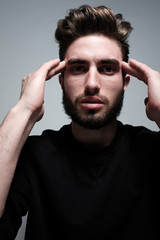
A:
{"points": [[61, 81], [126, 81]]}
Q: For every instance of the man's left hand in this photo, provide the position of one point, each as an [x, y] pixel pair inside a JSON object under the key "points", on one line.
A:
{"points": [[152, 78]]}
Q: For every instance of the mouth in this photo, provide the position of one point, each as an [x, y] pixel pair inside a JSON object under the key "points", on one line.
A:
{"points": [[91, 102]]}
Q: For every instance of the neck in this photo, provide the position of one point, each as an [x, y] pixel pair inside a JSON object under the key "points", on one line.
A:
{"points": [[95, 138]]}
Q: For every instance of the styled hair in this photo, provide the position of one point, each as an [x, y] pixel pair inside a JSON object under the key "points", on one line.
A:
{"points": [[87, 20]]}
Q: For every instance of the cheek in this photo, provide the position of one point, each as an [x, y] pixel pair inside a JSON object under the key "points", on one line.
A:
{"points": [[73, 86], [112, 88], [112, 84], [70, 89]]}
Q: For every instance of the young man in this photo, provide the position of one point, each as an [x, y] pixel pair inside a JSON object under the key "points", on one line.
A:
{"points": [[93, 179]]}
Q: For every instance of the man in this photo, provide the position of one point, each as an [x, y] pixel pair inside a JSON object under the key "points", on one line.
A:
{"points": [[92, 179]]}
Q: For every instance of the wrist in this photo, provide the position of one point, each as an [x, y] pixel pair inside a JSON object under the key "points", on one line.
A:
{"points": [[23, 116]]}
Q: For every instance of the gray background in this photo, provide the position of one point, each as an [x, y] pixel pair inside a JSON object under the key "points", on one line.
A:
{"points": [[27, 40]]}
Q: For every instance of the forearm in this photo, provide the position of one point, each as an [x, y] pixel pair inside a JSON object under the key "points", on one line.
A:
{"points": [[13, 134]]}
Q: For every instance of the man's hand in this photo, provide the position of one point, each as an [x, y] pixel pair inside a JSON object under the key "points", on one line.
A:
{"points": [[32, 93], [152, 79]]}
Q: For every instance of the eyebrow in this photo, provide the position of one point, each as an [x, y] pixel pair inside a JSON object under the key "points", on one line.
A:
{"points": [[76, 61], [110, 61]]}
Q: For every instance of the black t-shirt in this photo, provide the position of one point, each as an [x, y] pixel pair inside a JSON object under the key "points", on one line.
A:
{"points": [[74, 192]]}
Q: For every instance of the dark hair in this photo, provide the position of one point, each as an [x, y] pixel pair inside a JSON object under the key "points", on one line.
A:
{"points": [[87, 20]]}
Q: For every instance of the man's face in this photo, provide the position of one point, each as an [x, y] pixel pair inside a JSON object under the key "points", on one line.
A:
{"points": [[93, 85]]}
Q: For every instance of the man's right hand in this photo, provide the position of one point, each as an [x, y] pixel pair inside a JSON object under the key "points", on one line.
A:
{"points": [[32, 93]]}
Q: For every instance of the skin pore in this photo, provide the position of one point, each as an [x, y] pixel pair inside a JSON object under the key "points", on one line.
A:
{"points": [[93, 85]]}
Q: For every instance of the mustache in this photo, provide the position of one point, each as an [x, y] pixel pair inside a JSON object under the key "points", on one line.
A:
{"points": [[92, 98]]}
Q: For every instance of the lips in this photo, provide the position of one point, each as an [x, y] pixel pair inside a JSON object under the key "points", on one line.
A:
{"points": [[91, 102]]}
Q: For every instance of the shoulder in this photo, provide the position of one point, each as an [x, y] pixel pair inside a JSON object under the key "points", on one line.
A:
{"points": [[43, 151], [49, 136], [139, 131], [49, 140], [140, 135]]}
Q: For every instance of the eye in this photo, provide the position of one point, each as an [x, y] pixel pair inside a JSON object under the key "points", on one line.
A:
{"points": [[107, 69], [78, 69]]}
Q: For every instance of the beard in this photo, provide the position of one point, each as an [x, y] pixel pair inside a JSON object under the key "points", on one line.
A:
{"points": [[91, 119]]}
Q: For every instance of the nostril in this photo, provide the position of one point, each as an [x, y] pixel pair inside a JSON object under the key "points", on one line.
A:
{"points": [[91, 91]]}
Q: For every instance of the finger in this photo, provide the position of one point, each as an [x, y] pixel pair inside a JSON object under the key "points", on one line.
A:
{"points": [[55, 70], [46, 67], [137, 69], [133, 71], [24, 80]]}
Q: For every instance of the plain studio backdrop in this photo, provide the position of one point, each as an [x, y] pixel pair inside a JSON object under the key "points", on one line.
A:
{"points": [[27, 41]]}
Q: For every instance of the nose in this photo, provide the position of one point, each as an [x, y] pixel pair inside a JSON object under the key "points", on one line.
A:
{"points": [[92, 83]]}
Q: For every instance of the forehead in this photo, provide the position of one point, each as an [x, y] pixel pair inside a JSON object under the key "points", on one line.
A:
{"points": [[94, 47]]}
